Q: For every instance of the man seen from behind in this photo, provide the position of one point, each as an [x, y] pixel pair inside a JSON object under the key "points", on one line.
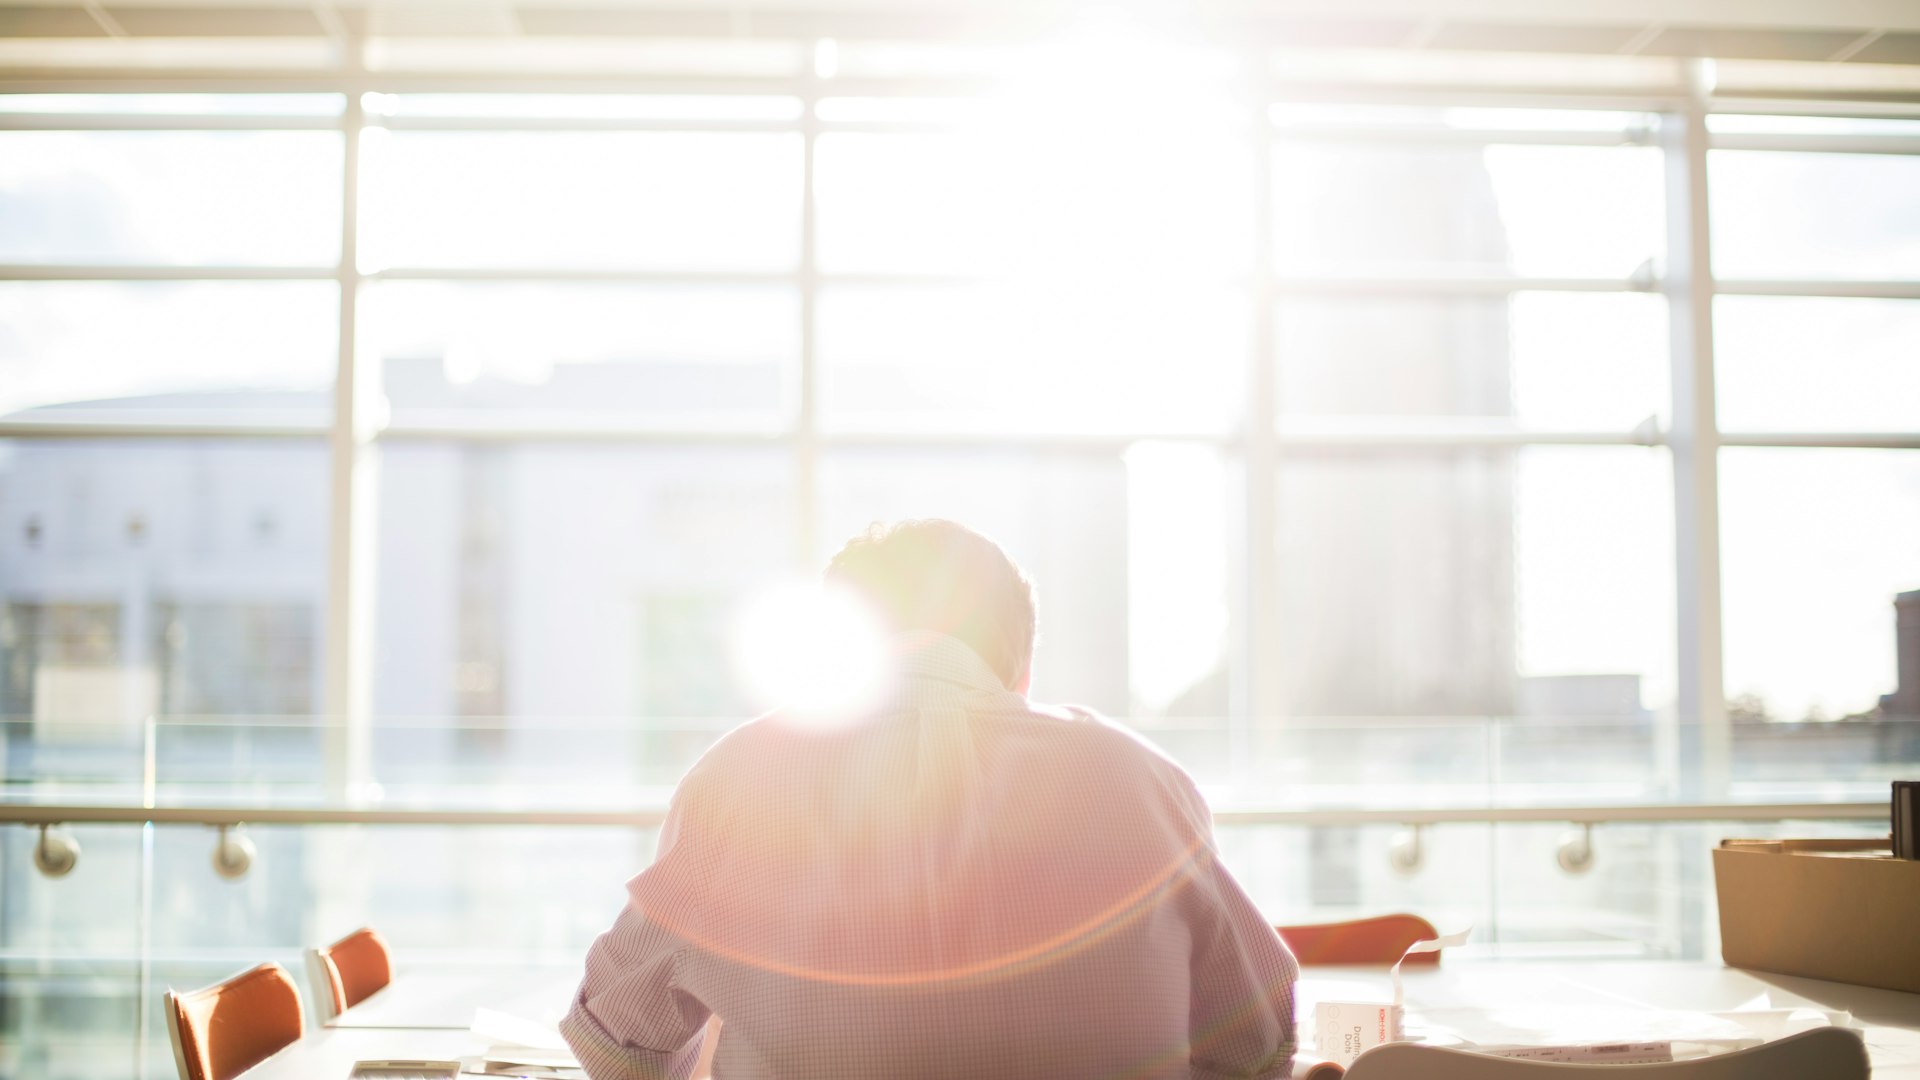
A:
{"points": [[951, 882]]}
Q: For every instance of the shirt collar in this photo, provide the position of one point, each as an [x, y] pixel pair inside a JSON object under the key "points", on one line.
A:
{"points": [[929, 654]]}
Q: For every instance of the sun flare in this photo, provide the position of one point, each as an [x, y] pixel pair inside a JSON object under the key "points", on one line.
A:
{"points": [[815, 652]]}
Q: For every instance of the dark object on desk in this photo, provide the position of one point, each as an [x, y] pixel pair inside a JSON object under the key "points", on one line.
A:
{"points": [[1382, 939], [1825, 909], [405, 1070], [1830, 1053], [1906, 819]]}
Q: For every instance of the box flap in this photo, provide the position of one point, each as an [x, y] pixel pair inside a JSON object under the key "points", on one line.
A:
{"points": [[1868, 844]]}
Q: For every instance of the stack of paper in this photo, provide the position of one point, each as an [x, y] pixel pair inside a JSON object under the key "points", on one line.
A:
{"points": [[523, 1048], [1588, 1035]]}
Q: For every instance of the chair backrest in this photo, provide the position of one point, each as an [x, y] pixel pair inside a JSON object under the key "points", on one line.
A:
{"points": [[1379, 940], [348, 971], [1828, 1053], [229, 1027]]}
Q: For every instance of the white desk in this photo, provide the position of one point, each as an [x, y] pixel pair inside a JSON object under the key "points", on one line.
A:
{"points": [[446, 999], [1891, 1019], [329, 1053]]}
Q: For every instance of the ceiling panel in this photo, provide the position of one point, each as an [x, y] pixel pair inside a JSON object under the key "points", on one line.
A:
{"points": [[1511, 38], [52, 22], [1750, 44], [1903, 48], [1335, 33], [211, 22]]}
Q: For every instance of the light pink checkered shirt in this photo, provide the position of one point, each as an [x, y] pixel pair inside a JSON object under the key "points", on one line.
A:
{"points": [[964, 886]]}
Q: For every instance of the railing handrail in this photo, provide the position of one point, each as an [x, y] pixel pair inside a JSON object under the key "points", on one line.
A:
{"points": [[215, 816]]}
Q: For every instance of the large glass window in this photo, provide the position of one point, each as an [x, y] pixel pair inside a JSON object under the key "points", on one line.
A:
{"points": [[1478, 583], [179, 583], [1545, 360], [1815, 546], [1533, 210], [146, 350], [1806, 215], [1066, 358], [611, 395], [1068, 187], [195, 198], [637, 200], [668, 356], [1817, 363]]}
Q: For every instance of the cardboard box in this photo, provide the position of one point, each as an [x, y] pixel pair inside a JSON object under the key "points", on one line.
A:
{"points": [[1845, 910]]}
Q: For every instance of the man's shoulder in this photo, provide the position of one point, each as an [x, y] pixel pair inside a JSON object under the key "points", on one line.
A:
{"points": [[761, 751], [742, 747], [1109, 741]]}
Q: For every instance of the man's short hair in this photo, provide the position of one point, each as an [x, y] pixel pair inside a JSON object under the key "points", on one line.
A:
{"points": [[938, 575]]}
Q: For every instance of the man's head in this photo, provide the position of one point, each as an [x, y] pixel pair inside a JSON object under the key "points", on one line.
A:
{"points": [[937, 575]]}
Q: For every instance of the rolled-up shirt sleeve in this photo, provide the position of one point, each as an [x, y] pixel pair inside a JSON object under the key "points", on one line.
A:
{"points": [[1241, 1018], [630, 1018]]}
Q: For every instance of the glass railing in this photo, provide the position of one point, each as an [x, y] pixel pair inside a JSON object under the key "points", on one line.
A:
{"points": [[1534, 831], [625, 762]]}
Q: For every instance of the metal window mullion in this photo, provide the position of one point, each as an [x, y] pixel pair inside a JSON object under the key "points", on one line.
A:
{"points": [[1694, 444], [1848, 440], [1475, 96], [563, 428], [1700, 745], [185, 122], [144, 429], [160, 272], [806, 427], [346, 648], [580, 275], [585, 125], [357, 82], [1261, 704], [1811, 143], [1362, 284], [1840, 289], [1310, 134], [1891, 108]]}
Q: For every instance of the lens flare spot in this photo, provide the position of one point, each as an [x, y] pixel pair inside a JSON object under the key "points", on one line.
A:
{"points": [[817, 653]]}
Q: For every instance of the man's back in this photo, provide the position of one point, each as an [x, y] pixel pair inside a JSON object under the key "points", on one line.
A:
{"points": [[958, 885]]}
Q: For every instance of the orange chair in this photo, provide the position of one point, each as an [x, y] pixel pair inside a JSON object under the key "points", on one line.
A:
{"points": [[226, 1029], [1379, 940], [347, 972]]}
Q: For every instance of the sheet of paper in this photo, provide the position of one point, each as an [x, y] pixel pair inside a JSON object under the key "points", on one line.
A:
{"points": [[480, 1066], [520, 1055], [1525, 1026], [1770, 1024], [1640, 1053]]}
